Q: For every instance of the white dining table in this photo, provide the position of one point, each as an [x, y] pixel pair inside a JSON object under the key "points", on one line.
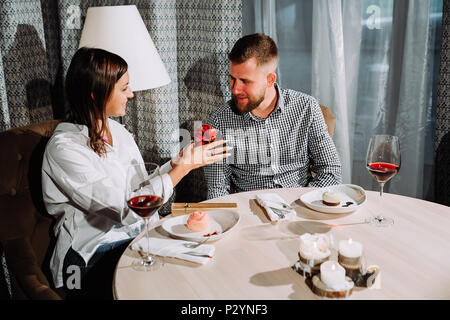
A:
{"points": [[254, 261]]}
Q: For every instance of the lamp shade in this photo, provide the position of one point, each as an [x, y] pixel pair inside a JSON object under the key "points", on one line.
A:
{"points": [[121, 30]]}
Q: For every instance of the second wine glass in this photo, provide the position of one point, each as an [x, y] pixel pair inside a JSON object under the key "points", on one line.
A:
{"points": [[383, 162], [145, 196]]}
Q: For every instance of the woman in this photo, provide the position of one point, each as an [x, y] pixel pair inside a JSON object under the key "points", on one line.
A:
{"points": [[84, 170]]}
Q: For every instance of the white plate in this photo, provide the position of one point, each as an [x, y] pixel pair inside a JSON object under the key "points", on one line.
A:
{"points": [[221, 220], [350, 193]]}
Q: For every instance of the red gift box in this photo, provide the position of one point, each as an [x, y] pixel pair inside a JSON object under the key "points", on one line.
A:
{"points": [[205, 135]]}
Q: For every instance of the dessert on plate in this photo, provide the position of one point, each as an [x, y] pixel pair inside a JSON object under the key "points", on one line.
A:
{"points": [[198, 221], [331, 199]]}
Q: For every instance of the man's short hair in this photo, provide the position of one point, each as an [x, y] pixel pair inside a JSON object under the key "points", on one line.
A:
{"points": [[257, 45]]}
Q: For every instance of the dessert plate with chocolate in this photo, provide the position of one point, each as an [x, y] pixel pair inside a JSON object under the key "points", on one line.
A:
{"points": [[201, 225], [342, 198]]}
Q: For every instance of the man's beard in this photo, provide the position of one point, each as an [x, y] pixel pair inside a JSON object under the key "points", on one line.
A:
{"points": [[251, 103]]}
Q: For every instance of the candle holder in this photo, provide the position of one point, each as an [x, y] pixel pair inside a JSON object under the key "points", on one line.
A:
{"points": [[319, 288], [308, 267], [350, 257], [352, 266], [355, 271]]}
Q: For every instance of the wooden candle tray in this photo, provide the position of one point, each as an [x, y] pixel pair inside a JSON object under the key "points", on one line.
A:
{"points": [[361, 279], [353, 274], [320, 289], [312, 278]]}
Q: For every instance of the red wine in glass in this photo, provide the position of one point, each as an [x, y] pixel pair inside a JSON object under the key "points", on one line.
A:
{"points": [[146, 205], [145, 195], [382, 171], [383, 162]]}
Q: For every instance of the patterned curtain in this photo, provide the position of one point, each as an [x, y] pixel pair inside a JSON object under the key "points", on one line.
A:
{"points": [[25, 64], [442, 144], [203, 69], [39, 37]]}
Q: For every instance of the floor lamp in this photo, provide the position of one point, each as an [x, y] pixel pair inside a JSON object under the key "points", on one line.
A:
{"points": [[121, 30]]}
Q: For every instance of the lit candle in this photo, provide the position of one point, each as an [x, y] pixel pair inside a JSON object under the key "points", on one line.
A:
{"points": [[350, 248], [332, 275]]}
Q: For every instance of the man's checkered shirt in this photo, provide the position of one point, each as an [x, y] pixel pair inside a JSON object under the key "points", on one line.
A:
{"points": [[277, 152]]}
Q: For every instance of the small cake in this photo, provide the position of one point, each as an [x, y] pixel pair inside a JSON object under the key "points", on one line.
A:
{"points": [[198, 221], [331, 199]]}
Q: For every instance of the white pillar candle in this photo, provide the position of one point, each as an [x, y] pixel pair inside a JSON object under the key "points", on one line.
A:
{"points": [[332, 274], [350, 248]]}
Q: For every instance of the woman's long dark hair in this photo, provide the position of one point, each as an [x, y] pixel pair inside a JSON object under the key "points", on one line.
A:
{"points": [[90, 80]]}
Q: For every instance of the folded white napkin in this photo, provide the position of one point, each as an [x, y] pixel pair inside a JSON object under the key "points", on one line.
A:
{"points": [[273, 200], [176, 249]]}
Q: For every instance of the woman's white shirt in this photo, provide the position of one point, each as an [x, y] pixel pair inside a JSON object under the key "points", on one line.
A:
{"points": [[86, 193]]}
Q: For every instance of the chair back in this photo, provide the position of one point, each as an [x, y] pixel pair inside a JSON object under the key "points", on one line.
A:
{"points": [[329, 119], [26, 228]]}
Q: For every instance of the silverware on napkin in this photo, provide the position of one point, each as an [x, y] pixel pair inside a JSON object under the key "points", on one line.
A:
{"points": [[284, 206], [280, 213]]}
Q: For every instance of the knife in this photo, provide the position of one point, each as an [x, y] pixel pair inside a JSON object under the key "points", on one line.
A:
{"points": [[197, 254]]}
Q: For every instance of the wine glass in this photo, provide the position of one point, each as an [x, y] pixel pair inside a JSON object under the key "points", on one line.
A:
{"points": [[383, 162], [144, 196]]}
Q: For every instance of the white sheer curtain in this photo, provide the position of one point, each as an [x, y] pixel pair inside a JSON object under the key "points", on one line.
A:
{"points": [[415, 97], [266, 22], [335, 56], [373, 63]]}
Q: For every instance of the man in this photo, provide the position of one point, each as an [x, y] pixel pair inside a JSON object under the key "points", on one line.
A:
{"points": [[278, 135]]}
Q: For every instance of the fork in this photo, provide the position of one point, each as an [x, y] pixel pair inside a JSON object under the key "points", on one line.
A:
{"points": [[195, 245], [285, 206], [285, 211], [279, 213]]}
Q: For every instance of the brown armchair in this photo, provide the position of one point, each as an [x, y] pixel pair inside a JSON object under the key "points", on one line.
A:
{"points": [[26, 229]]}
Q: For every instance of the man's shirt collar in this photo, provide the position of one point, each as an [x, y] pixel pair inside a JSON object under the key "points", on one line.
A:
{"points": [[279, 106]]}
